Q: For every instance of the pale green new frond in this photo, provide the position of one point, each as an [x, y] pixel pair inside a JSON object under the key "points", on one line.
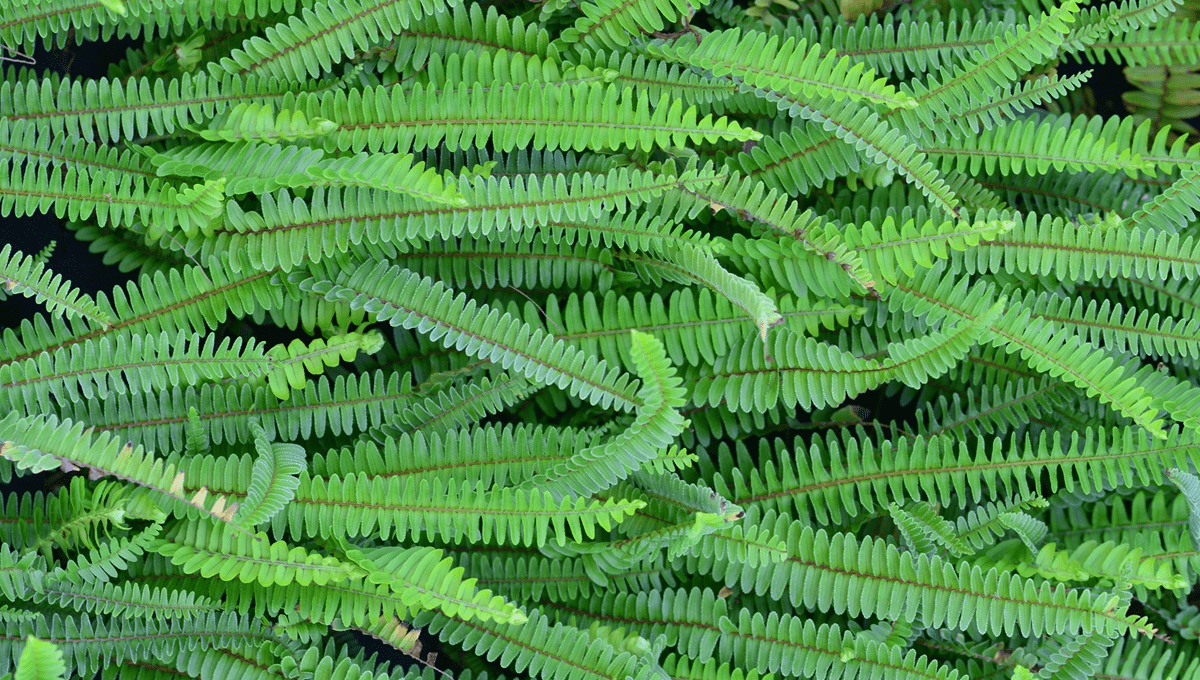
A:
{"points": [[687, 264], [40, 660], [261, 122]]}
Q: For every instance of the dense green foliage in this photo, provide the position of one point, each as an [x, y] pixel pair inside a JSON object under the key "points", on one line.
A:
{"points": [[585, 296]]}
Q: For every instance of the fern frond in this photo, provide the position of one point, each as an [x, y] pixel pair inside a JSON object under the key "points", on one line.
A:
{"points": [[797, 646], [26, 275], [924, 531], [861, 476], [609, 23], [1175, 206], [40, 660], [114, 109], [567, 117], [283, 232], [655, 78], [399, 297], [456, 408], [965, 594], [1034, 147], [273, 479], [314, 39], [695, 328], [1079, 659], [802, 371], [1080, 252], [1010, 54], [114, 199], [190, 298], [1046, 347], [126, 600], [789, 67], [494, 456], [42, 443], [656, 425], [343, 405], [88, 642], [358, 505], [465, 27], [1122, 329], [543, 650]]}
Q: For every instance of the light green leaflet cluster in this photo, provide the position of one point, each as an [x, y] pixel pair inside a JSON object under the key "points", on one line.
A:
{"points": [[582, 296]]}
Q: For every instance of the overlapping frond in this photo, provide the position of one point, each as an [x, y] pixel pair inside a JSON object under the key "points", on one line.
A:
{"points": [[316, 37]]}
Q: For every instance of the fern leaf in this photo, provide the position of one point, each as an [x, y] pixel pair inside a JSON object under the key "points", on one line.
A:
{"points": [[127, 600], [273, 479], [1189, 484], [453, 409], [40, 660], [789, 67], [113, 199], [206, 549], [26, 275], [283, 232], [317, 37], [424, 576], [964, 593], [925, 531], [796, 370], [115, 109], [547, 651], [42, 443], [798, 647], [579, 117], [465, 27], [398, 297], [656, 425]]}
